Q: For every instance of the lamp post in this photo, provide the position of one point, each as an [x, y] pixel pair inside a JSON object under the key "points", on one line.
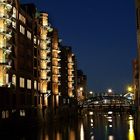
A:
{"points": [[90, 94], [109, 91], [131, 92]]}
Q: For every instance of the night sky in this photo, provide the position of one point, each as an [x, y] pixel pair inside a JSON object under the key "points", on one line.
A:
{"points": [[102, 34]]}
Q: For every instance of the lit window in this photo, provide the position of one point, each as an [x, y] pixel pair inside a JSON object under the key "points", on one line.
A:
{"points": [[22, 18], [35, 84], [34, 39], [5, 114], [14, 80], [7, 78], [14, 12], [28, 34], [38, 42], [22, 82], [22, 113], [22, 29], [28, 84]]}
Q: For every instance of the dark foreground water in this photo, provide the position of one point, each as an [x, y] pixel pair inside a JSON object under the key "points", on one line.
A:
{"points": [[92, 126]]}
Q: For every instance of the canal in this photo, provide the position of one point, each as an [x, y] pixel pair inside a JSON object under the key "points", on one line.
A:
{"points": [[91, 126]]}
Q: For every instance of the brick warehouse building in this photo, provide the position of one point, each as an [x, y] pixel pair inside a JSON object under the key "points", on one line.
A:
{"points": [[69, 75], [31, 69]]}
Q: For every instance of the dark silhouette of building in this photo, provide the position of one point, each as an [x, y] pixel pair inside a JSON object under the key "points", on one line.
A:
{"points": [[81, 85], [137, 90], [135, 81]]}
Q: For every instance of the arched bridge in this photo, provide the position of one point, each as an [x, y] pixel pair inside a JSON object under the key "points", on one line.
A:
{"points": [[108, 102]]}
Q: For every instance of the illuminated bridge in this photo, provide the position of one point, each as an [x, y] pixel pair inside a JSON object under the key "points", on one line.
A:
{"points": [[114, 102]]}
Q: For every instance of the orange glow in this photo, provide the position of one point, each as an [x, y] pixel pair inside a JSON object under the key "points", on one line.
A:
{"points": [[72, 135], [43, 86], [55, 88]]}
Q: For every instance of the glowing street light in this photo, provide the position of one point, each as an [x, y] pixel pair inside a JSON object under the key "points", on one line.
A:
{"points": [[90, 92], [81, 88], [129, 89], [109, 90]]}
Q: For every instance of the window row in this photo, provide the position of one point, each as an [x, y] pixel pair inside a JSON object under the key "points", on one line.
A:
{"points": [[22, 30], [5, 113], [21, 82], [29, 85]]}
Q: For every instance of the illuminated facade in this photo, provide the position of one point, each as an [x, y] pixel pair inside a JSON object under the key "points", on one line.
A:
{"points": [[45, 58], [24, 59], [55, 69], [68, 77], [6, 11], [34, 73]]}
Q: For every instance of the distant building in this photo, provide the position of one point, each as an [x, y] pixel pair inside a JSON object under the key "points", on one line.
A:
{"points": [[81, 85]]}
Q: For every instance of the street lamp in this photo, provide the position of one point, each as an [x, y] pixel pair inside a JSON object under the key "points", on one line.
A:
{"points": [[130, 93], [91, 92], [129, 89], [81, 88], [109, 90]]}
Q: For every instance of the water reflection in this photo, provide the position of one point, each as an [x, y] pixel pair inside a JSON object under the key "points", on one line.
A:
{"points": [[93, 126], [81, 132], [131, 135]]}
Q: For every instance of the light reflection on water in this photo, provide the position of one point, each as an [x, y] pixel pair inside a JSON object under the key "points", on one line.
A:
{"points": [[131, 134], [98, 126]]}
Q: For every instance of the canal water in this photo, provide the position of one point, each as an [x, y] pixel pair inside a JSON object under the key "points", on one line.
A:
{"points": [[91, 126]]}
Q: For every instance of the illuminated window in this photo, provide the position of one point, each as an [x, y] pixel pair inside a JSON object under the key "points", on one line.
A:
{"points": [[14, 12], [22, 113], [7, 78], [22, 29], [38, 42], [29, 34], [22, 18], [14, 80], [34, 39], [35, 84], [5, 114], [22, 82], [28, 84]]}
